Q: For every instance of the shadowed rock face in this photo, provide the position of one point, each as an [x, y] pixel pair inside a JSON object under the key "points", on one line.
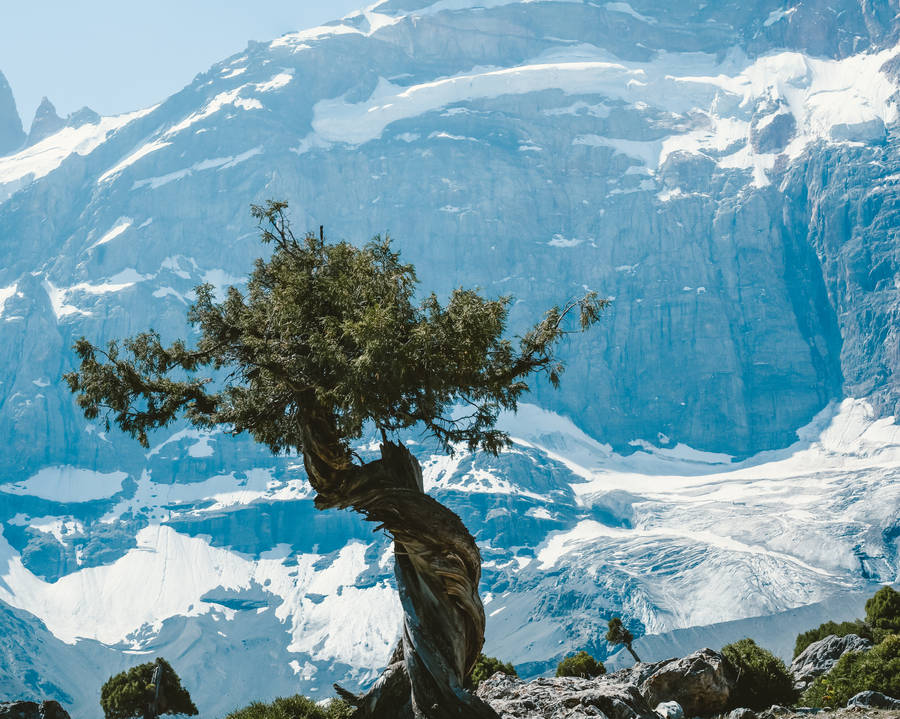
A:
{"points": [[11, 134]]}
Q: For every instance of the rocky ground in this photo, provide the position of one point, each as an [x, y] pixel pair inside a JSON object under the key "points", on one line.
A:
{"points": [[701, 684]]}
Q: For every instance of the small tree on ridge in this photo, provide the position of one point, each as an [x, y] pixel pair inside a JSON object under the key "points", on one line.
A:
{"points": [[619, 634]]}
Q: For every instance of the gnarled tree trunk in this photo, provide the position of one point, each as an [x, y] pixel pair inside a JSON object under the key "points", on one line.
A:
{"points": [[438, 567]]}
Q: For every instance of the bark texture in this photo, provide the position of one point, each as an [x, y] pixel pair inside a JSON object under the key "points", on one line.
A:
{"points": [[438, 568]]}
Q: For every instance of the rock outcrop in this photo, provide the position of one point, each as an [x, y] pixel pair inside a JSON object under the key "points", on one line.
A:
{"points": [[84, 116], [45, 122], [32, 710], [819, 657], [698, 684], [873, 700], [11, 134], [564, 698]]}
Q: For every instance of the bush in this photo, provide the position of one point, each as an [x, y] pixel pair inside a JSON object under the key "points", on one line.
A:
{"points": [[858, 627], [877, 670], [295, 707], [883, 612], [762, 678], [486, 667], [580, 665], [129, 693]]}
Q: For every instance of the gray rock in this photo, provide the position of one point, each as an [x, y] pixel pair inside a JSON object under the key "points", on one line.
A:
{"points": [[819, 657], [45, 123], [870, 131], [32, 710], [773, 133], [84, 116], [564, 698], [700, 682], [11, 134], [741, 713], [670, 710], [873, 700]]}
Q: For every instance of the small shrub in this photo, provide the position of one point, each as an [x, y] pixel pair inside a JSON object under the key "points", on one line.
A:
{"points": [[129, 693], [295, 707], [486, 667], [883, 612], [762, 678], [858, 627], [580, 665], [877, 670]]}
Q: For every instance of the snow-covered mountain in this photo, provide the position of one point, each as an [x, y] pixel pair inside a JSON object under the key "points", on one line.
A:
{"points": [[722, 447]]}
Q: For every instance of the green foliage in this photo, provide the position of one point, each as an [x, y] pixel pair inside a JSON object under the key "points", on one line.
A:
{"points": [[883, 612], [486, 667], [130, 693], [295, 707], [618, 634], [762, 678], [877, 670], [580, 665], [857, 627], [329, 334]]}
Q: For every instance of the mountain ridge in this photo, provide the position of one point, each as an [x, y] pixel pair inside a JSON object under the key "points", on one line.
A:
{"points": [[722, 448]]}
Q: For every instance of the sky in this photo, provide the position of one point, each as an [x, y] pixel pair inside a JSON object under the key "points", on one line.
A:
{"points": [[119, 55]]}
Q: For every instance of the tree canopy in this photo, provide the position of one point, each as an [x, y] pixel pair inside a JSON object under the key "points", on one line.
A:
{"points": [[132, 693], [620, 634], [334, 332], [883, 611], [326, 340], [581, 665]]}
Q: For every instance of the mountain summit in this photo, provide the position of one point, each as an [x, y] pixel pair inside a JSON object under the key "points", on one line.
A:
{"points": [[11, 134], [45, 123]]}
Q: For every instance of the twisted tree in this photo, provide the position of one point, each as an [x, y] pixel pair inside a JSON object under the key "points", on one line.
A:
{"points": [[620, 634], [329, 339]]}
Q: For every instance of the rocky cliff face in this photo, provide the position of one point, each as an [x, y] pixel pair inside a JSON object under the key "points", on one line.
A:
{"points": [[724, 171], [11, 133]]}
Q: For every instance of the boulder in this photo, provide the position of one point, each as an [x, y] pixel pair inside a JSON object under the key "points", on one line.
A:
{"points": [[873, 700], [32, 710], [564, 698], [819, 657], [701, 683], [741, 713], [670, 710]]}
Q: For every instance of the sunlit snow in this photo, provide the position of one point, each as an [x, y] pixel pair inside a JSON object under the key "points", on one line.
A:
{"points": [[68, 484]]}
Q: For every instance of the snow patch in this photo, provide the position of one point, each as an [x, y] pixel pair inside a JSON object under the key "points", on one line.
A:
{"points": [[68, 484], [5, 294], [560, 241], [122, 224], [778, 16], [57, 296], [626, 9]]}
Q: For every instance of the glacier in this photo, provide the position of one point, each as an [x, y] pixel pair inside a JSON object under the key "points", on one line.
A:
{"points": [[721, 459]]}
